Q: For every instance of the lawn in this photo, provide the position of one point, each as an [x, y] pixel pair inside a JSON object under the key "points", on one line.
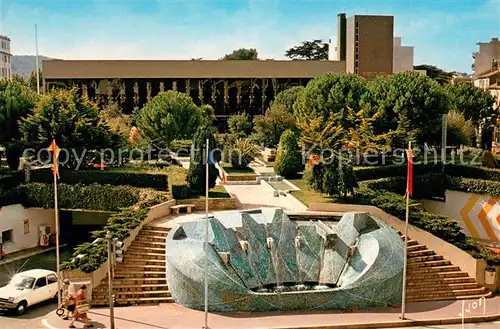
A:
{"points": [[237, 171], [308, 196], [219, 191]]}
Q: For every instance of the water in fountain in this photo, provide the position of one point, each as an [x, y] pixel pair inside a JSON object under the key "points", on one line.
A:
{"points": [[274, 260], [301, 285], [246, 248]]}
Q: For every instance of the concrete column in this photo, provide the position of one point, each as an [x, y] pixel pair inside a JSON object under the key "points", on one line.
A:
{"points": [[162, 86], [148, 91], [136, 93], [84, 89], [174, 85], [480, 271], [188, 87], [200, 90]]}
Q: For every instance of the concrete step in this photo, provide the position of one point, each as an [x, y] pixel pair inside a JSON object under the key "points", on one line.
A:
{"points": [[440, 281], [155, 228], [137, 281], [139, 267], [133, 254], [134, 301], [420, 253], [424, 258], [153, 233], [441, 286], [434, 269], [417, 247], [135, 248], [148, 244], [131, 287], [140, 274], [431, 263], [414, 276], [133, 294], [150, 238], [454, 297], [142, 261]]}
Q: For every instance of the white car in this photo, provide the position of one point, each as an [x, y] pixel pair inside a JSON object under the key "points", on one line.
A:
{"points": [[28, 288]]}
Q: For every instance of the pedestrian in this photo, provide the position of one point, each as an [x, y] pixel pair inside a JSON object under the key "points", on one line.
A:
{"points": [[69, 299], [82, 307]]}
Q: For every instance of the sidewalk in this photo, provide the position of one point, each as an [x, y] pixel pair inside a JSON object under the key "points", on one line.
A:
{"points": [[173, 316], [12, 257]]}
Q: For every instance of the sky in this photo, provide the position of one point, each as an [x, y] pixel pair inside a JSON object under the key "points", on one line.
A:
{"points": [[443, 32]]}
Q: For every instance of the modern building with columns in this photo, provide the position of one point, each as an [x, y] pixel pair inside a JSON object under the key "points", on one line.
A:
{"points": [[230, 86]]}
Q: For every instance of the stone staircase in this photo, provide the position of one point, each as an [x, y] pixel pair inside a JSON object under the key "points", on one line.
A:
{"points": [[431, 277], [141, 278]]}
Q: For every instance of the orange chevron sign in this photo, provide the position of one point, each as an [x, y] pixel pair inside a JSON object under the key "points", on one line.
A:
{"points": [[486, 221]]}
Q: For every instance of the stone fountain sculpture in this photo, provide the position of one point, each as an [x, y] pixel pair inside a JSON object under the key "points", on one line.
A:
{"points": [[262, 261]]}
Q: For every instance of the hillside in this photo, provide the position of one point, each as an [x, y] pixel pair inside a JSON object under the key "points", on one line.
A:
{"points": [[25, 64]]}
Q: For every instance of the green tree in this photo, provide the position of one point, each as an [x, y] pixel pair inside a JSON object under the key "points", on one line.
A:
{"points": [[242, 153], [75, 124], [459, 131], [410, 104], [16, 102], [197, 168], [17, 78], [330, 106], [333, 176], [288, 158], [239, 124], [268, 128], [31, 81], [288, 97], [309, 50], [435, 73], [169, 115], [242, 54]]}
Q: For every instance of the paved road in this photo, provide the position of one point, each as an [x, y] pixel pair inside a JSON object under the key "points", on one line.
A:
{"points": [[32, 319]]}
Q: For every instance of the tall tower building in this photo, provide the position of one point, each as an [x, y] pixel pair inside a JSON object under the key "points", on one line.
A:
{"points": [[369, 45], [403, 57], [5, 58], [487, 58]]}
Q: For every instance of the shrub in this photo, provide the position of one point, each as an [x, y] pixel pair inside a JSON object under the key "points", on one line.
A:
{"points": [[459, 131], [85, 177], [471, 185], [429, 185], [368, 173], [242, 153], [268, 128], [288, 97], [334, 177], [239, 124], [197, 172], [181, 147], [91, 197], [288, 159], [473, 172]]}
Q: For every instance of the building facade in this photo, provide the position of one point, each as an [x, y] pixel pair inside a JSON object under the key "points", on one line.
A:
{"points": [[487, 58], [402, 57], [230, 86], [5, 58]]}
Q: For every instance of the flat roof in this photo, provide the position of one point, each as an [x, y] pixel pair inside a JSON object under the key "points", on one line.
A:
{"points": [[157, 69]]}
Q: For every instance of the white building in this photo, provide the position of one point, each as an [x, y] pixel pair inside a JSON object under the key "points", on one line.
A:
{"points": [[487, 58], [332, 49], [5, 58], [403, 57]]}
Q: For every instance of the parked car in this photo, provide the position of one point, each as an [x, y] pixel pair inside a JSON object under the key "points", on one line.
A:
{"points": [[28, 288]]}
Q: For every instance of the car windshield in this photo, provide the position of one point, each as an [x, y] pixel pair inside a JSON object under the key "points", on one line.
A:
{"points": [[22, 281]]}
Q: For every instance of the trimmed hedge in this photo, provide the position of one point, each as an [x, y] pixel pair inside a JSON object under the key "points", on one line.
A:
{"points": [[181, 147], [473, 172], [78, 196], [159, 181], [400, 170], [471, 185], [429, 185]]}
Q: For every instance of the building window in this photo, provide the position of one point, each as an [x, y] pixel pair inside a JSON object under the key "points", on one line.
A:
{"points": [[26, 225], [7, 236]]}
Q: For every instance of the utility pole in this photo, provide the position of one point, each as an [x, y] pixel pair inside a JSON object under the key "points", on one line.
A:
{"points": [[443, 139], [37, 69]]}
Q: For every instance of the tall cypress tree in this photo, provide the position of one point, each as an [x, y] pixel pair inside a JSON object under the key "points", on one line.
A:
{"points": [[197, 170]]}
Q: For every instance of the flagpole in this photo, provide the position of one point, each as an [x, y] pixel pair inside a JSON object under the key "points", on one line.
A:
{"points": [[206, 236], [405, 261], [56, 214]]}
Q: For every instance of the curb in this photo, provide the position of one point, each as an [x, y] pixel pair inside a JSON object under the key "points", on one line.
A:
{"points": [[401, 323], [374, 325]]}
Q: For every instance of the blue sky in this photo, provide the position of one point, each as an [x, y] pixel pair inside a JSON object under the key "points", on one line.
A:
{"points": [[444, 33]]}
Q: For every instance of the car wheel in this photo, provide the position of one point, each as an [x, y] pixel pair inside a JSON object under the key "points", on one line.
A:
{"points": [[21, 307]]}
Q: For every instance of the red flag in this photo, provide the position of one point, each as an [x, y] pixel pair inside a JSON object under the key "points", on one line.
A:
{"points": [[55, 157], [409, 181]]}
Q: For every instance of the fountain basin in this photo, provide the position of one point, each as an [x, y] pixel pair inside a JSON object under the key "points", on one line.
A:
{"points": [[356, 263]]}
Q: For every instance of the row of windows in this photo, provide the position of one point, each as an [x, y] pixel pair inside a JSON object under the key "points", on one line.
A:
{"points": [[5, 72], [6, 59], [5, 45]]}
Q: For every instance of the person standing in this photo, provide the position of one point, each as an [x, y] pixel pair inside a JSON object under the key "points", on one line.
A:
{"points": [[82, 307], [69, 299]]}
